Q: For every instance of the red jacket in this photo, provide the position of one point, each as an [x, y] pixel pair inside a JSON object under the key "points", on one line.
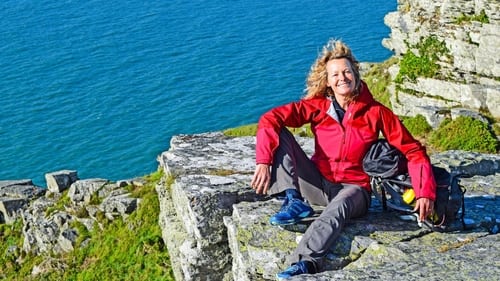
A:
{"points": [[339, 148]]}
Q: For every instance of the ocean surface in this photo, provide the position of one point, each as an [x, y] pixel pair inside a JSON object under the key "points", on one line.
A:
{"points": [[101, 86]]}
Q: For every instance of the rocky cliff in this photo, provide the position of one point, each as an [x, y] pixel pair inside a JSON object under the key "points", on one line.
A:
{"points": [[216, 228], [55, 218], [466, 78]]}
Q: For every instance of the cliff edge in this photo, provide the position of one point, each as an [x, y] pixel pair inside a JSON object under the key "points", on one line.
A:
{"points": [[216, 228], [450, 60]]}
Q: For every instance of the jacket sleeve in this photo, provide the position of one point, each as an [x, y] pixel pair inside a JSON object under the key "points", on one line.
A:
{"points": [[419, 165], [272, 122]]}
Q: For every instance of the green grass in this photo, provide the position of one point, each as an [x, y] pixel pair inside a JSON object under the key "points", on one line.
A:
{"points": [[245, 130], [251, 130], [417, 126], [378, 79], [10, 243], [424, 64], [464, 133], [130, 249], [482, 18]]}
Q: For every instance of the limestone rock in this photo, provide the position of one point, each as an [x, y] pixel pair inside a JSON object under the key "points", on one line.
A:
{"points": [[216, 228], [82, 190], [59, 181], [9, 209], [49, 230], [469, 72], [20, 189], [14, 197], [467, 163], [122, 204]]}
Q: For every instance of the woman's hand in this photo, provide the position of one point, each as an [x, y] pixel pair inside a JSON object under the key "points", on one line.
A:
{"points": [[425, 207], [261, 179]]}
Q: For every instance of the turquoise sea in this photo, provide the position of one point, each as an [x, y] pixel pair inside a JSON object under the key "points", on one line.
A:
{"points": [[101, 86]]}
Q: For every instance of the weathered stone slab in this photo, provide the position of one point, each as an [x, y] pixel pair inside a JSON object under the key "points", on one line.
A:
{"points": [[61, 180], [471, 58], [122, 204], [434, 110], [201, 155], [20, 189], [258, 249], [200, 202], [9, 209], [14, 197], [379, 244], [212, 172], [467, 163], [82, 190], [216, 228]]}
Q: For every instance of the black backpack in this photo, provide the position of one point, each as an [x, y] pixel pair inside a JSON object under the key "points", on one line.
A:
{"points": [[390, 183]]}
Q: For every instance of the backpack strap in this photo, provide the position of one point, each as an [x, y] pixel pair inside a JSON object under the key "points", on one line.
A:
{"points": [[462, 190], [381, 187], [384, 197], [379, 191]]}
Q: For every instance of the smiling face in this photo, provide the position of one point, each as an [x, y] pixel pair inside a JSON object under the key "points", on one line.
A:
{"points": [[340, 77]]}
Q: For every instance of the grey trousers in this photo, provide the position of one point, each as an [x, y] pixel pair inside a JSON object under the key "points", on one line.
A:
{"points": [[292, 168]]}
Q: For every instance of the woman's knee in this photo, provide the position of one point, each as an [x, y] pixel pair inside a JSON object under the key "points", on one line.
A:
{"points": [[351, 202]]}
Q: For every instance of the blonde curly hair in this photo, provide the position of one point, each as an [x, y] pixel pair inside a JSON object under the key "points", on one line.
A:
{"points": [[316, 83]]}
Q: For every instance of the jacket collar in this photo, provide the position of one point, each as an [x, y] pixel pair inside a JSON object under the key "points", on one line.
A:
{"points": [[364, 99]]}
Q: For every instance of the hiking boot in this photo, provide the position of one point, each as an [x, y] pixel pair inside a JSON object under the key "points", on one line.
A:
{"points": [[296, 269], [294, 209]]}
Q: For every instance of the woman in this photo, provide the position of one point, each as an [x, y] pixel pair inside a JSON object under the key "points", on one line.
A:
{"points": [[345, 120]]}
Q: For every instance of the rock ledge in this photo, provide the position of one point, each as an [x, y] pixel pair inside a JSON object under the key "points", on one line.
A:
{"points": [[216, 228]]}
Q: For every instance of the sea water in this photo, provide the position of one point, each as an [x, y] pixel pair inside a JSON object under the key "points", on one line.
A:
{"points": [[101, 86]]}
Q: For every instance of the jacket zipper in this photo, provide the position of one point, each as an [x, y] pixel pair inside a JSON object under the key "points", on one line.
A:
{"points": [[346, 132], [341, 152]]}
